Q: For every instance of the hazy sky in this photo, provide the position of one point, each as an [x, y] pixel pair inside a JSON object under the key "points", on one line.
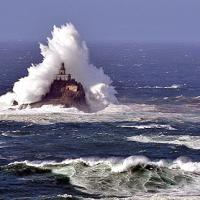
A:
{"points": [[121, 20]]}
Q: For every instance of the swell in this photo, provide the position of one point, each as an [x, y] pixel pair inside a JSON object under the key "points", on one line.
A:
{"points": [[113, 176]]}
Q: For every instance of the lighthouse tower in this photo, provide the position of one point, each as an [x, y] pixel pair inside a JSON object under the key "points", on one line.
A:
{"points": [[62, 74]]}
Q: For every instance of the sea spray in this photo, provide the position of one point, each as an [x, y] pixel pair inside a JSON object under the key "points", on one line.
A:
{"points": [[64, 46]]}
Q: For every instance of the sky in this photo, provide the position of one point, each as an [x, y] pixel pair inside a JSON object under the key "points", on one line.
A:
{"points": [[102, 20]]}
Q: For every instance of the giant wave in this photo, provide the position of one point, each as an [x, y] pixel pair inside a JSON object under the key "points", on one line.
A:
{"points": [[64, 46]]}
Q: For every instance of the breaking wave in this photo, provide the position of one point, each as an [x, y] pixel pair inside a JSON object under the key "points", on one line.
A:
{"points": [[116, 176], [65, 46], [192, 142], [115, 164]]}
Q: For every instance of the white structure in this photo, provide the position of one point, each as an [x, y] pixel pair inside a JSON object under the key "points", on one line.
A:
{"points": [[62, 74]]}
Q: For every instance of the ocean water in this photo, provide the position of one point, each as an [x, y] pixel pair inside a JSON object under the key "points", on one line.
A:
{"points": [[145, 147]]}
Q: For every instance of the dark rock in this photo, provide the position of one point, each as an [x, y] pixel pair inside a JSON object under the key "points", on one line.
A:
{"points": [[63, 91], [68, 93], [15, 103]]}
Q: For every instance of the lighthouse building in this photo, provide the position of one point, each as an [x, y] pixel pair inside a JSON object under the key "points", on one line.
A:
{"points": [[62, 74], [64, 91]]}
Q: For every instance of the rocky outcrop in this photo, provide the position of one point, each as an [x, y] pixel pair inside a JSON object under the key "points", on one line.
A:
{"points": [[63, 91], [68, 93]]}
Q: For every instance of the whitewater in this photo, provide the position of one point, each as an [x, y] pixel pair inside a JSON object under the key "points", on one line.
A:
{"points": [[140, 142], [65, 46]]}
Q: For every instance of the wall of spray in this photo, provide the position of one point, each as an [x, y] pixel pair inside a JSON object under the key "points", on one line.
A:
{"points": [[64, 46]]}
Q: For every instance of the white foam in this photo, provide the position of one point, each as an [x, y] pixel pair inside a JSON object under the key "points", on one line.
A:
{"points": [[91, 174], [6, 100], [65, 196], [187, 166], [192, 142], [118, 165], [150, 126], [129, 162], [64, 46], [174, 86], [112, 113]]}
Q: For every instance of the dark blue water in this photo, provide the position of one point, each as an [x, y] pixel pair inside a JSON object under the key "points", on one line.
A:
{"points": [[147, 145]]}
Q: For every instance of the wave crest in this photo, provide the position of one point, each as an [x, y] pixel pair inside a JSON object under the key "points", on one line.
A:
{"points": [[116, 176]]}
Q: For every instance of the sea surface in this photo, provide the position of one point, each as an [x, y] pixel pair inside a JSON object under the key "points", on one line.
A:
{"points": [[145, 147]]}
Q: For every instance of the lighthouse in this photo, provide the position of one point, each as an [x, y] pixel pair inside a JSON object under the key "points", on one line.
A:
{"points": [[65, 91], [62, 74]]}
